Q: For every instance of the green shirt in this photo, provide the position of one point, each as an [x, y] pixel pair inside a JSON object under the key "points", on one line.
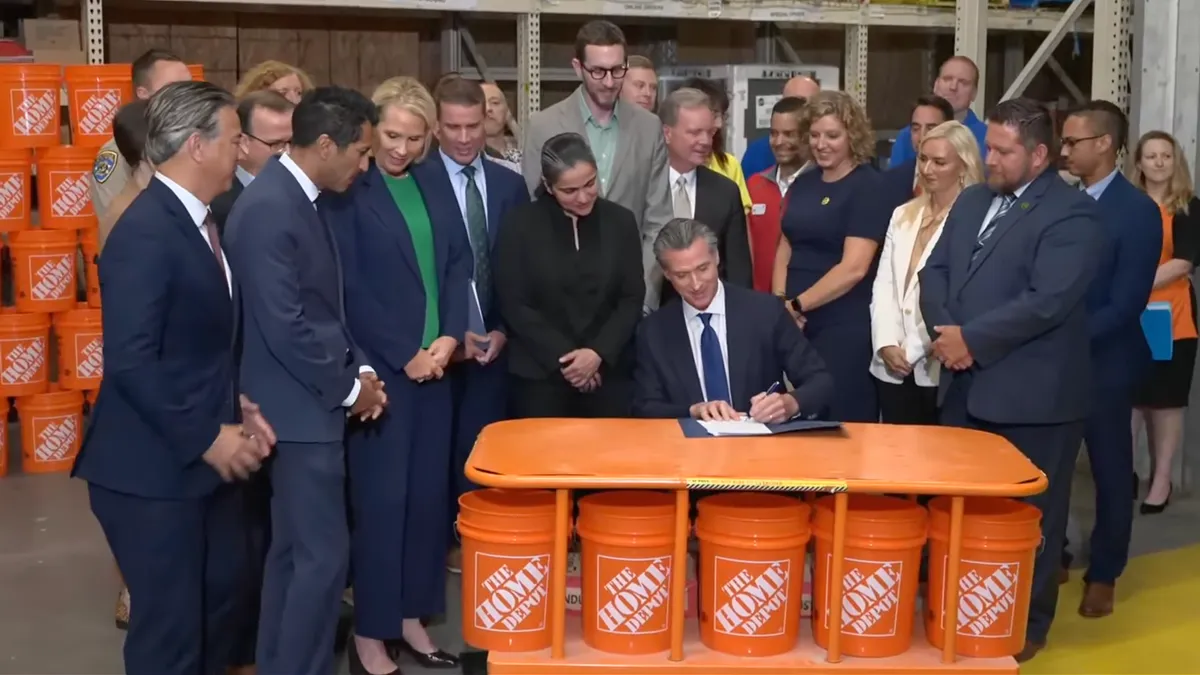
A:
{"points": [[412, 206], [603, 140]]}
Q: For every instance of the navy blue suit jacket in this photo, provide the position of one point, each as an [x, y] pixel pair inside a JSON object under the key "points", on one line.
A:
{"points": [[1124, 279], [1021, 303], [168, 355], [298, 360], [764, 344], [385, 294], [899, 182], [505, 189]]}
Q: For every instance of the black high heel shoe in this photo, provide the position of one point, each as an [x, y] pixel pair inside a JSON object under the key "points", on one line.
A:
{"points": [[1148, 509], [436, 660], [356, 664]]}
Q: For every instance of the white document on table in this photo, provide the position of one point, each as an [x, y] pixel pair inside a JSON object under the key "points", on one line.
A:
{"points": [[743, 427]]}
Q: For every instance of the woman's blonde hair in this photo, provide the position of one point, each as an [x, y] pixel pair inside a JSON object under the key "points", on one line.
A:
{"points": [[842, 107], [410, 95], [967, 149], [1179, 191], [268, 73]]}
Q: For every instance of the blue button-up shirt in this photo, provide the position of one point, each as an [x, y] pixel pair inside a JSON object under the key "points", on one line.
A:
{"points": [[1095, 190], [458, 180]]}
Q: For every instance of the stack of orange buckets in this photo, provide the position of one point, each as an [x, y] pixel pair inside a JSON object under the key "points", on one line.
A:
{"points": [[45, 251]]}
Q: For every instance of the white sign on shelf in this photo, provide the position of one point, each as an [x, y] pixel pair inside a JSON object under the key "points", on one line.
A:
{"points": [[438, 5], [662, 8], [781, 12]]}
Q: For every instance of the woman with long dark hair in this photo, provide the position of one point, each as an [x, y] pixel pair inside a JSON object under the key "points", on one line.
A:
{"points": [[569, 278]]}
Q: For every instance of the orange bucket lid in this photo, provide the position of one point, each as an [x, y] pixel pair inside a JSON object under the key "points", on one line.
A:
{"points": [[19, 71], [508, 510], [40, 237], [16, 155], [992, 518], [628, 512], [12, 319], [103, 70], [874, 517], [753, 514], [58, 153], [81, 315], [52, 400]]}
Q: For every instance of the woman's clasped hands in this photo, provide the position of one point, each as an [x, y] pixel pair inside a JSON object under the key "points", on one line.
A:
{"points": [[581, 369]]}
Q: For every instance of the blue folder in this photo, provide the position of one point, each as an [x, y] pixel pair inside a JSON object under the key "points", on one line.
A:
{"points": [[1157, 327], [691, 428]]}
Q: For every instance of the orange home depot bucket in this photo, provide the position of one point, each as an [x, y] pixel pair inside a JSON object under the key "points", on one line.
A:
{"points": [[31, 105], [507, 546], [44, 270], [51, 429], [80, 348], [3, 437], [197, 71], [628, 559], [24, 352], [751, 571], [89, 241], [995, 576], [16, 187], [63, 199], [880, 575], [94, 93]]}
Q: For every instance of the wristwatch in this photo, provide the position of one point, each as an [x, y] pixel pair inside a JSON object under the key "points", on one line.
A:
{"points": [[794, 303]]}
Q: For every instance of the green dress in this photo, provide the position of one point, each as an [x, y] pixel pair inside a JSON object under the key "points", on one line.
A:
{"points": [[412, 206]]}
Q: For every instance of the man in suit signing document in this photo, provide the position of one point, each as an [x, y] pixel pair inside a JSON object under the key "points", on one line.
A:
{"points": [[720, 350]]}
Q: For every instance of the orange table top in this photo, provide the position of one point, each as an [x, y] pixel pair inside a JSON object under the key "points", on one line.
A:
{"points": [[625, 453]]}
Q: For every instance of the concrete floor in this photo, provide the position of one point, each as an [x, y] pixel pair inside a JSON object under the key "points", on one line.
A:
{"points": [[58, 585]]}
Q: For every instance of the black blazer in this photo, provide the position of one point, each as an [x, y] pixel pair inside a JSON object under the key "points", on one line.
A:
{"points": [[764, 344], [168, 356], [719, 206], [223, 204], [555, 298]]}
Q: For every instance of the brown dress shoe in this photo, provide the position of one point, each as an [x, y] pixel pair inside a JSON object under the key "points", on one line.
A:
{"points": [[1031, 650], [1097, 600]]}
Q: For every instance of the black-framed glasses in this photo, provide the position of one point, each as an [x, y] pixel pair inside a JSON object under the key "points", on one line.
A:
{"points": [[617, 72], [1069, 142], [277, 147]]}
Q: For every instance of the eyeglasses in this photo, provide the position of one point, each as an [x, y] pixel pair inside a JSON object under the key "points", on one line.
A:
{"points": [[1070, 143], [277, 147], [617, 72]]}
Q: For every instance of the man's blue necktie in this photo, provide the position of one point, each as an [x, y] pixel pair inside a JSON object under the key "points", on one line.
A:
{"points": [[716, 384]]}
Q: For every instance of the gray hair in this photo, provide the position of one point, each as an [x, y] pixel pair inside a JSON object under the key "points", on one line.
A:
{"points": [[684, 98], [679, 234], [179, 110]]}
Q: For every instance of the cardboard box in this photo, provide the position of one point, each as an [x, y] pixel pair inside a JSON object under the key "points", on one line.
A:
{"points": [[60, 34], [62, 57]]}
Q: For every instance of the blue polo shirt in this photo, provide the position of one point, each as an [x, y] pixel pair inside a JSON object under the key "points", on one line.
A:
{"points": [[902, 149]]}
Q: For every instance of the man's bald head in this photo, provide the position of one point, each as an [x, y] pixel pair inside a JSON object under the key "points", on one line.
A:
{"points": [[801, 86]]}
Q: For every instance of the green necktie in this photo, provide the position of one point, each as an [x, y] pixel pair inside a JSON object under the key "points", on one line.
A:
{"points": [[477, 228]]}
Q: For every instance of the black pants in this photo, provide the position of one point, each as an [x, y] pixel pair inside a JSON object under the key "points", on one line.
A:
{"points": [[556, 398], [907, 402]]}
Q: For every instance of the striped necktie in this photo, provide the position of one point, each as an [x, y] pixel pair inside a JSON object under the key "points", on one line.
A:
{"points": [[1006, 203]]}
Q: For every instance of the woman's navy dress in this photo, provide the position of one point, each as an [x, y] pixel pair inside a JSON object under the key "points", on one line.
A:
{"points": [[817, 218]]}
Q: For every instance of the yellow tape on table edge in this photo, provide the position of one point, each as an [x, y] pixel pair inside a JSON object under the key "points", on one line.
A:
{"points": [[766, 485]]}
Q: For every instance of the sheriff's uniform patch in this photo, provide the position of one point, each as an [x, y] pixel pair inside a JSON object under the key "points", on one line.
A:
{"points": [[106, 161]]}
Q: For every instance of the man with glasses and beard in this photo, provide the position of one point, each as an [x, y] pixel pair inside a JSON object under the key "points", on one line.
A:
{"points": [[631, 157], [1004, 298], [266, 118]]}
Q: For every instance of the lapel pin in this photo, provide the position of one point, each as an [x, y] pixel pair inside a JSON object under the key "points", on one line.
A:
{"points": [[825, 201], [1024, 205]]}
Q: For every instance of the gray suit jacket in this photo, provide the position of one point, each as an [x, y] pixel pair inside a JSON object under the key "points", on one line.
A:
{"points": [[639, 174]]}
